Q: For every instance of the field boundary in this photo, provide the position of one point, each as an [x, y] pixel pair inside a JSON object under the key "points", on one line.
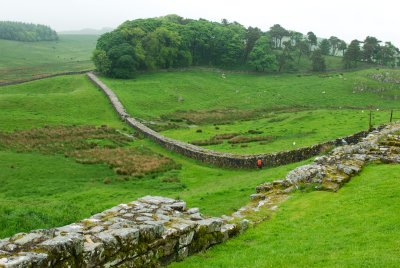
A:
{"points": [[39, 77], [220, 159]]}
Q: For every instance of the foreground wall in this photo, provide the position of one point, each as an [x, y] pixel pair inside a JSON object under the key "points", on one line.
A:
{"points": [[151, 231], [219, 158]]}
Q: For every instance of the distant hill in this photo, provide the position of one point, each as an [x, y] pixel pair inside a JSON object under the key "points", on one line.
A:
{"points": [[89, 31]]}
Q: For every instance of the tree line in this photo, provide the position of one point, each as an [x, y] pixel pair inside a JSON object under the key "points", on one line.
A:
{"points": [[26, 32], [173, 42]]}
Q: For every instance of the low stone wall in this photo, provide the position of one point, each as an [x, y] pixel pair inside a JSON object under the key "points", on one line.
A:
{"points": [[149, 232], [219, 158], [20, 81]]}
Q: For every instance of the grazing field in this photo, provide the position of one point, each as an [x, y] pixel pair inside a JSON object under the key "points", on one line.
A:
{"points": [[22, 60], [244, 113], [279, 131], [43, 191], [206, 97], [62, 100], [355, 227], [42, 188]]}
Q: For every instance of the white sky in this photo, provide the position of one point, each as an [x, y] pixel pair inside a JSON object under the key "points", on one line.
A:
{"points": [[346, 19]]}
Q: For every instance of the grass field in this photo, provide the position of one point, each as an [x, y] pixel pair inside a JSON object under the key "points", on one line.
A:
{"points": [[21, 60], [62, 100], [281, 112], [39, 191], [286, 130], [42, 191], [187, 94], [355, 227]]}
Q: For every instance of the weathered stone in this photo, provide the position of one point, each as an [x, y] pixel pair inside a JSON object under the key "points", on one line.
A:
{"points": [[63, 246], [186, 239], [93, 254], [27, 259], [193, 211], [211, 225], [28, 238], [196, 217], [256, 197]]}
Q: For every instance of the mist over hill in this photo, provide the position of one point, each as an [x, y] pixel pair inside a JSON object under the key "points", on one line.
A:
{"points": [[88, 31]]}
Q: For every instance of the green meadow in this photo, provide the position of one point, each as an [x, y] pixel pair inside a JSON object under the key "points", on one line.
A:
{"points": [[355, 227], [23, 60]]}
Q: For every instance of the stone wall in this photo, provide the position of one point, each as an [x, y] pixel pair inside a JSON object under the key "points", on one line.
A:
{"points": [[149, 232], [219, 158]]}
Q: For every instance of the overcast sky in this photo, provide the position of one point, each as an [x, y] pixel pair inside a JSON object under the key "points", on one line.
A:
{"points": [[346, 19]]}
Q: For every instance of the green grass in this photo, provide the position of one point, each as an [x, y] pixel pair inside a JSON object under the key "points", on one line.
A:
{"points": [[38, 191], [318, 107], [166, 93], [289, 130], [356, 227], [62, 100], [21, 60]]}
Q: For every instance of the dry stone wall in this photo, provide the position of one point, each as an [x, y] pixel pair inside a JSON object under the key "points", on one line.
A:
{"points": [[149, 232], [329, 172], [219, 158]]}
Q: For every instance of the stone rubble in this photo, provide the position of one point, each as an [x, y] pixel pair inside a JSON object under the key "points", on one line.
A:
{"points": [[149, 232], [329, 172]]}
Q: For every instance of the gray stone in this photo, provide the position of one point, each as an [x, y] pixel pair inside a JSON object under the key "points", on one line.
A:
{"points": [[211, 225], [28, 238], [64, 246], [256, 197], [193, 211], [196, 217]]}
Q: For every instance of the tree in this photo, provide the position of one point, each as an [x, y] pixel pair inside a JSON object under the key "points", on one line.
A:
{"points": [[387, 55], [318, 61], [277, 32], [334, 42], [302, 49], [352, 54], [252, 35], [295, 37], [261, 57], [342, 46], [101, 61], [312, 40], [26, 32], [371, 49], [285, 59], [325, 47]]}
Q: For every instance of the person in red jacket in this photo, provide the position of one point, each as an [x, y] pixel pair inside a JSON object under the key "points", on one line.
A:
{"points": [[259, 163]]}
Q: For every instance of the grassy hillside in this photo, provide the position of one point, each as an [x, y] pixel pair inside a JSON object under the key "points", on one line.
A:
{"points": [[62, 100], [47, 190], [282, 131], [21, 60], [259, 113], [168, 93], [356, 227]]}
